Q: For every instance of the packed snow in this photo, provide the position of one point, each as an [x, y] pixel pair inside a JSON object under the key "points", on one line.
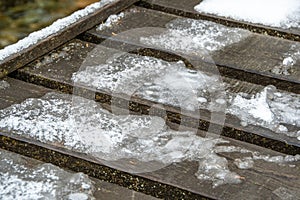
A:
{"points": [[171, 83], [275, 13], [53, 29], [111, 20], [168, 83], [86, 127], [190, 35], [45, 181], [289, 60]]}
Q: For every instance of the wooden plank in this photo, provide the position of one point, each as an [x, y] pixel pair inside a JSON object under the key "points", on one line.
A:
{"points": [[7, 96], [102, 190], [186, 9], [265, 179], [78, 162], [29, 54], [252, 59], [58, 75]]}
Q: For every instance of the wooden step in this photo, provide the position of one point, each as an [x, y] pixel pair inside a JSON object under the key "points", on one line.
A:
{"points": [[266, 178], [186, 9], [252, 59], [58, 73]]}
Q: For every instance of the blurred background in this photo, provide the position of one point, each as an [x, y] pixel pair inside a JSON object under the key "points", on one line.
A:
{"points": [[18, 18]]}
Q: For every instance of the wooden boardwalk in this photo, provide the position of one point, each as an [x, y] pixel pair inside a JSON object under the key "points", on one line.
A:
{"points": [[246, 67]]}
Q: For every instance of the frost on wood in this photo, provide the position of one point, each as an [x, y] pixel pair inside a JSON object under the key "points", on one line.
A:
{"points": [[290, 58], [53, 29], [4, 84], [277, 111], [54, 119], [168, 83], [171, 83], [189, 36], [45, 181], [276, 13], [111, 20]]}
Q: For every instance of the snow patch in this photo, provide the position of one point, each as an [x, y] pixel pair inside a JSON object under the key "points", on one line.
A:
{"points": [[55, 28], [111, 20], [189, 36], [276, 13], [4, 85], [44, 181], [169, 83], [289, 60], [55, 119], [270, 109]]}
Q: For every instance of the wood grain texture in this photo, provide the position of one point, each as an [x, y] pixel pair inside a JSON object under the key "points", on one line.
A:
{"points": [[29, 54]]}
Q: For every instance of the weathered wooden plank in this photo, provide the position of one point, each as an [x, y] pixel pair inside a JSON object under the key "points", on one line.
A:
{"points": [[257, 58], [30, 167], [7, 95], [267, 180], [186, 9], [29, 54], [58, 73]]}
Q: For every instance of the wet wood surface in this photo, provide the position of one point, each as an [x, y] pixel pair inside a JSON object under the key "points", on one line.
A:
{"points": [[29, 54], [264, 179], [251, 59], [186, 9]]}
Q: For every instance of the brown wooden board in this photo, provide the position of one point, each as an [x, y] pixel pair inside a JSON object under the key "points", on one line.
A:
{"points": [[57, 75], [252, 59], [102, 190], [29, 54], [263, 181], [7, 96], [186, 9]]}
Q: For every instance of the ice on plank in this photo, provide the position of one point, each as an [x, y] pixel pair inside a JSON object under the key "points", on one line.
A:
{"points": [[190, 36], [275, 13], [86, 127], [110, 21], [53, 29], [289, 60], [277, 111], [19, 180]]}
